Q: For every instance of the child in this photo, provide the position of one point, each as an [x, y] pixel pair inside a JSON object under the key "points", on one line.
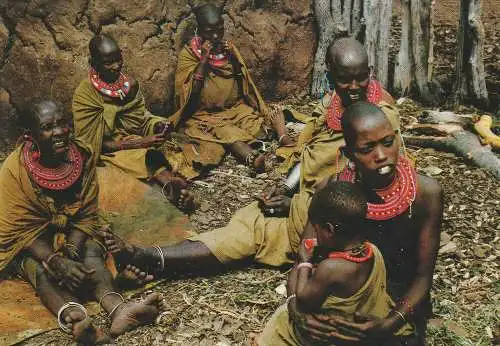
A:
{"points": [[339, 273]]}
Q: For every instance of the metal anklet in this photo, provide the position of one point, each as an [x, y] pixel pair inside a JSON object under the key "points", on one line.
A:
{"points": [[64, 307], [107, 294], [162, 258]]}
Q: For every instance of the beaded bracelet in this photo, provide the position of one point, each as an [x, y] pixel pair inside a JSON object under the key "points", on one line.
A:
{"points": [[290, 297], [404, 302]]}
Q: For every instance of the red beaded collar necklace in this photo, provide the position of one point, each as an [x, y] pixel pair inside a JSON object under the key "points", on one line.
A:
{"points": [[398, 197], [215, 60], [118, 89], [358, 254], [59, 178], [336, 108]]}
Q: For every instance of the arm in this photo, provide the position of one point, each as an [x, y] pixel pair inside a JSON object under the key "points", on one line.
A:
{"points": [[430, 210], [429, 205], [198, 81], [110, 146], [313, 287]]}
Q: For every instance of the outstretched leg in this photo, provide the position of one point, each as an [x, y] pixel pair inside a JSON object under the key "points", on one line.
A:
{"points": [[245, 153], [185, 257]]}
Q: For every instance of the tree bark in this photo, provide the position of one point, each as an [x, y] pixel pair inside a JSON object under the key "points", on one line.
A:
{"points": [[470, 83], [367, 20], [413, 71]]}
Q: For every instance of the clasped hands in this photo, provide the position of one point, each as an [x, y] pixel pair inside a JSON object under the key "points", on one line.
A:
{"points": [[274, 202], [66, 271]]}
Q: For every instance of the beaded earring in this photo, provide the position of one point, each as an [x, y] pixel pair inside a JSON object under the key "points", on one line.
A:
{"points": [[27, 137], [196, 32]]}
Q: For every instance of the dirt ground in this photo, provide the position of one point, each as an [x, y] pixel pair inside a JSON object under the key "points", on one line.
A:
{"points": [[230, 309]]}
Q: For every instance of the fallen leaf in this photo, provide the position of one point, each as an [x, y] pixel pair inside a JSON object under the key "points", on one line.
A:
{"points": [[448, 248]]}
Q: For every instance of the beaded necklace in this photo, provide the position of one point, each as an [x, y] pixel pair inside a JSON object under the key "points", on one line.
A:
{"points": [[336, 108], [215, 60], [118, 89], [59, 178], [398, 196], [361, 253]]}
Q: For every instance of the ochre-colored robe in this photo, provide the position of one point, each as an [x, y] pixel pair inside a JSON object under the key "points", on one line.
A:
{"points": [[318, 147], [371, 300], [97, 119], [222, 117], [26, 212]]}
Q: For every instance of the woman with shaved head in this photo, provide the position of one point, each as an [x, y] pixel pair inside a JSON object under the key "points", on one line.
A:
{"points": [[218, 103]]}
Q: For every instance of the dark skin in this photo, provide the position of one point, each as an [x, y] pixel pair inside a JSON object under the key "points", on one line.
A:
{"points": [[80, 266], [375, 146], [211, 31], [336, 277], [372, 146], [347, 62], [108, 62]]}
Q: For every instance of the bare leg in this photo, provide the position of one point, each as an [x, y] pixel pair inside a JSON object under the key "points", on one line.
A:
{"points": [[124, 316], [182, 258], [242, 151], [54, 297]]}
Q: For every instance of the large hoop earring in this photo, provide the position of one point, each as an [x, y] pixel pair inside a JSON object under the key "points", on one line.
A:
{"points": [[27, 136]]}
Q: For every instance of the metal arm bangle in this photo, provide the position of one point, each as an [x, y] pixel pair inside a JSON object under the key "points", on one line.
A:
{"points": [[162, 257], [64, 307]]}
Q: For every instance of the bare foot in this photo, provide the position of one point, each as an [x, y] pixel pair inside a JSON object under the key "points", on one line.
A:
{"points": [[187, 201], [287, 141], [262, 163], [127, 254], [132, 277], [83, 330], [132, 315]]}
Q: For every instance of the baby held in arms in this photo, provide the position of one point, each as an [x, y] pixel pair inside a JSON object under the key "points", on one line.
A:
{"points": [[338, 273]]}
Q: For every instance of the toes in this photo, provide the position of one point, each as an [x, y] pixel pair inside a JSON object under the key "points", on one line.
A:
{"points": [[149, 278], [153, 299]]}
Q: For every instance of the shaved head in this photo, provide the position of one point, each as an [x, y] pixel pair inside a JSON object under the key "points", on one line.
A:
{"points": [[346, 52], [101, 45], [208, 14], [360, 113]]}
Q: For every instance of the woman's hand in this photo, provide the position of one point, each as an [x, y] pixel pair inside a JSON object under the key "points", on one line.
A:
{"points": [[206, 48], [69, 273]]}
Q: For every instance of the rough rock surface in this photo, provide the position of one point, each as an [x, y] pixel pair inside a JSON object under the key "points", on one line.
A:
{"points": [[44, 44]]}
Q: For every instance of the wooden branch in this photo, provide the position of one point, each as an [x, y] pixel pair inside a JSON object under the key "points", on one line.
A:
{"points": [[464, 144], [445, 131]]}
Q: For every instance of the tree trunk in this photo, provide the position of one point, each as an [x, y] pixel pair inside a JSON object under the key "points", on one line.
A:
{"points": [[413, 70], [367, 20], [470, 83], [378, 25]]}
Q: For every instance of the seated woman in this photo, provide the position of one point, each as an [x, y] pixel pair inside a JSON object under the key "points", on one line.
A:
{"points": [[109, 117], [339, 273], [49, 225], [218, 103], [317, 153]]}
